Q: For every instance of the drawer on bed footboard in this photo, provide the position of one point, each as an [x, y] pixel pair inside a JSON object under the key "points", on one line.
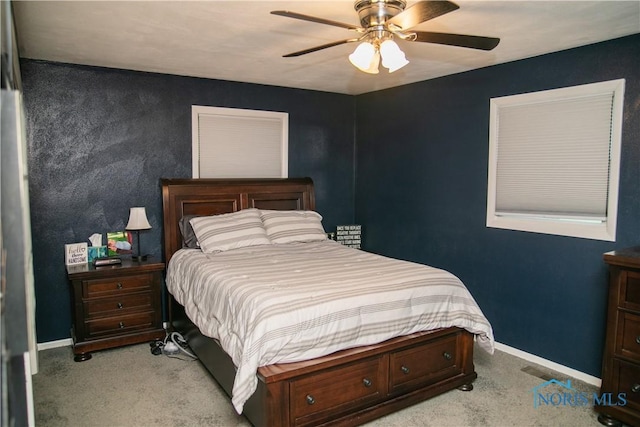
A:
{"points": [[356, 385], [424, 364]]}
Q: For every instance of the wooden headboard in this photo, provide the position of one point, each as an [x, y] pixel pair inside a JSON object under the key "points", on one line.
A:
{"points": [[216, 196]]}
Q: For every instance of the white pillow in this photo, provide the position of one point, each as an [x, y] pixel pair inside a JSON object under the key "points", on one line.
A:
{"points": [[230, 231], [293, 226]]}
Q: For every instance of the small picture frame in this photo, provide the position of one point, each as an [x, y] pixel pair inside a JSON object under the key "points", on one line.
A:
{"points": [[97, 252], [119, 243], [76, 253]]}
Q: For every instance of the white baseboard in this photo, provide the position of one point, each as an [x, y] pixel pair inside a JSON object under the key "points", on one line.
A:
{"points": [[55, 344], [589, 379]]}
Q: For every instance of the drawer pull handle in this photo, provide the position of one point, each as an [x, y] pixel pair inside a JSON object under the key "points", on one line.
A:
{"points": [[638, 339], [121, 324], [404, 369], [367, 382], [635, 388], [119, 285], [120, 305], [310, 400], [447, 355]]}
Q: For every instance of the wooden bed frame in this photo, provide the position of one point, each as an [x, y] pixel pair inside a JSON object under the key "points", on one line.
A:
{"points": [[349, 387]]}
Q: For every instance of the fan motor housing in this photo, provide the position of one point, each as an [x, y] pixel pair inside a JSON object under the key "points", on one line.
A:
{"points": [[377, 12]]}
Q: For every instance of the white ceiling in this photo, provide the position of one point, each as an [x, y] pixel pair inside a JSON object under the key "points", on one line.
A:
{"points": [[241, 41]]}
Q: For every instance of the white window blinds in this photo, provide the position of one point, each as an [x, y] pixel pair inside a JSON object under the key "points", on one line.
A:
{"points": [[553, 157], [236, 143], [554, 160]]}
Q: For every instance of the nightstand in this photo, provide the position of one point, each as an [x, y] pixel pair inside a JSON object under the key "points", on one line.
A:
{"points": [[115, 305]]}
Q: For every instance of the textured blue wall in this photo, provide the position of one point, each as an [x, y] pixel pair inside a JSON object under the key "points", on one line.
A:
{"points": [[421, 188], [99, 140]]}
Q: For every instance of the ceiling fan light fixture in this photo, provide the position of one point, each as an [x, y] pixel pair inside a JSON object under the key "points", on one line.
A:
{"points": [[392, 57], [375, 62], [383, 20], [365, 58]]}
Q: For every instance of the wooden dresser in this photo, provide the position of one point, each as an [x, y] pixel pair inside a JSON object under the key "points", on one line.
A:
{"points": [[115, 305], [621, 360]]}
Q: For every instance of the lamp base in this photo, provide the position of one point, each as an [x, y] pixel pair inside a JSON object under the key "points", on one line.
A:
{"points": [[139, 258]]}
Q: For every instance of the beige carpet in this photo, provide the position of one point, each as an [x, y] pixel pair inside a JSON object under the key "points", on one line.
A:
{"points": [[131, 387]]}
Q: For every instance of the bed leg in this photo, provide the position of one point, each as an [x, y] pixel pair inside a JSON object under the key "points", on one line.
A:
{"points": [[466, 387]]}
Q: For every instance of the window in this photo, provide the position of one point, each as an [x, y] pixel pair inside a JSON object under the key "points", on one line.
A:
{"points": [[236, 143], [554, 160]]}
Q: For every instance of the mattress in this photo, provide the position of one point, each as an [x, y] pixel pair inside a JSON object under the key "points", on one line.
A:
{"points": [[291, 302]]}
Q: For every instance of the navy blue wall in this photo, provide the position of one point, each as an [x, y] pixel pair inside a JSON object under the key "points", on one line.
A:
{"points": [[421, 188], [99, 140]]}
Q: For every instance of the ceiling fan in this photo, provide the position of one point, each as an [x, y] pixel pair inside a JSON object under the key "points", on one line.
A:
{"points": [[383, 20]]}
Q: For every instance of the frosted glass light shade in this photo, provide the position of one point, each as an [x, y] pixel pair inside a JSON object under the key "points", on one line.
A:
{"points": [[392, 57], [138, 219], [365, 58]]}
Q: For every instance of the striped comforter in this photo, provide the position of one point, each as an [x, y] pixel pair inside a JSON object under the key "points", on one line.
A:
{"points": [[297, 301]]}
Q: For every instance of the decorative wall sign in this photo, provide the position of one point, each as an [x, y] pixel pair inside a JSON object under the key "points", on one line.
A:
{"points": [[349, 235], [75, 253]]}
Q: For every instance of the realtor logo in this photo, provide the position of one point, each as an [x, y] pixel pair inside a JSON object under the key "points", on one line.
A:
{"points": [[568, 396]]}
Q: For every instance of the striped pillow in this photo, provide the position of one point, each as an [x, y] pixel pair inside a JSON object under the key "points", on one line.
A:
{"points": [[293, 226], [230, 231]]}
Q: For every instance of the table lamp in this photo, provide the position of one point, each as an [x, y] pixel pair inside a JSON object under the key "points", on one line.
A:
{"points": [[138, 221]]}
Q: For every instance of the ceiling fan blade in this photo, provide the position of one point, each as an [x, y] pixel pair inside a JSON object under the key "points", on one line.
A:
{"points": [[473, 42], [421, 12], [296, 15], [314, 49]]}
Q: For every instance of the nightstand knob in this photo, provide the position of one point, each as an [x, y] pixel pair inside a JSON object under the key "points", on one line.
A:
{"points": [[404, 369], [367, 382], [121, 325], [310, 400], [447, 355], [638, 339], [119, 285], [120, 305], [635, 388]]}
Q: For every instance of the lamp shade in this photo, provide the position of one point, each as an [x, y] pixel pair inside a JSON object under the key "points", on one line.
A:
{"points": [[365, 58], [138, 219], [392, 57]]}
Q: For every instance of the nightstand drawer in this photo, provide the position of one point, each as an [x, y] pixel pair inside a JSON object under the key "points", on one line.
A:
{"points": [[116, 306], [116, 285], [119, 324]]}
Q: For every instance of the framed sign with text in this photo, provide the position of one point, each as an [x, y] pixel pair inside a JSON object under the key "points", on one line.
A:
{"points": [[76, 253], [349, 235]]}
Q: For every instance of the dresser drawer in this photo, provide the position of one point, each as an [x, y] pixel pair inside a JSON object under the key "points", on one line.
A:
{"points": [[424, 364], [116, 285], [116, 306], [627, 376], [342, 388], [119, 324], [630, 290]]}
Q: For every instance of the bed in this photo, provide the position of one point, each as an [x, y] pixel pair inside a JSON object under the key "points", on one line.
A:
{"points": [[318, 385]]}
